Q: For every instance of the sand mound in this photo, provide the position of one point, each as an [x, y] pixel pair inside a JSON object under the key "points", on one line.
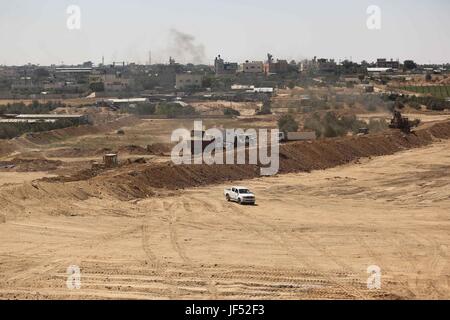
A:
{"points": [[46, 137], [154, 149], [294, 157], [6, 147], [136, 180], [132, 150], [29, 165], [159, 148]]}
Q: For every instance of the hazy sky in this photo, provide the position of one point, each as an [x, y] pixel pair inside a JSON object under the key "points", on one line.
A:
{"points": [[192, 30]]}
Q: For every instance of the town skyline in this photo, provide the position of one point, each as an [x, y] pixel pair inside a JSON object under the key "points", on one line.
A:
{"points": [[195, 32]]}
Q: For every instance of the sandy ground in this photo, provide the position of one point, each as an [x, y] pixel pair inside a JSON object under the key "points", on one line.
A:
{"points": [[311, 236]]}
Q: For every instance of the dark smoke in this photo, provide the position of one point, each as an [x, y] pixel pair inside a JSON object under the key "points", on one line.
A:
{"points": [[183, 47]]}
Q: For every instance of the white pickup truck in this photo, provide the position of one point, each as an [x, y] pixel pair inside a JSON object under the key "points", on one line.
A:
{"points": [[241, 195]]}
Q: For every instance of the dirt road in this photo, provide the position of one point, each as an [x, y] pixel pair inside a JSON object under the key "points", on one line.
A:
{"points": [[312, 235]]}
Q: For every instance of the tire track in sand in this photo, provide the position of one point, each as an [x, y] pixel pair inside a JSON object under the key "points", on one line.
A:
{"points": [[282, 241], [174, 208], [158, 267]]}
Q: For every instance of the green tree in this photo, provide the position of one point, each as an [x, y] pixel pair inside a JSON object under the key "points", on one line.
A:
{"points": [[97, 86], [287, 123], [41, 73], [231, 112], [266, 107]]}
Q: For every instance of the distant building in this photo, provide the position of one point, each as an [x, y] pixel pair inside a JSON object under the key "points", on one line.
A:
{"points": [[383, 63], [224, 68], [253, 67], [26, 84], [188, 80], [242, 87], [115, 82], [54, 85], [300, 136], [263, 90], [126, 102], [73, 70], [379, 70], [325, 65], [280, 66]]}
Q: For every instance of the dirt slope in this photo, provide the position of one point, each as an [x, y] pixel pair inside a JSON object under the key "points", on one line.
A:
{"points": [[140, 181], [311, 236]]}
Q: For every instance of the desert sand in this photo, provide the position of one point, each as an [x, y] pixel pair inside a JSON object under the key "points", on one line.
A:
{"points": [[310, 236]]}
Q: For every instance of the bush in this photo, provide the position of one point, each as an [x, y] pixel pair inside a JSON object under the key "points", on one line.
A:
{"points": [[314, 123], [377, 125], [173, 110], [140, 109], [34, 108], [287, 123], [415, 105], [266, 107], [331, 126], [97, 87], [12, 130], [231, 112]]}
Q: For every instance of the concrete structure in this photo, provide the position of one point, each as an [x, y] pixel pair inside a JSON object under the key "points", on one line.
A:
{"points": [[379, 70], [242, 87], [72, 70], [188, 80], [325, 65], [262, 90], [383, 63], [115, 82], [280, 66], [224, 68], [110, 160], [117, 103], [252, 67], [126, 101], [299, 136]]}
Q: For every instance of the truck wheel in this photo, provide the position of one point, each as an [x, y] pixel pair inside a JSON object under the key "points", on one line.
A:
{"points": [[239, 201], [227, 197]]}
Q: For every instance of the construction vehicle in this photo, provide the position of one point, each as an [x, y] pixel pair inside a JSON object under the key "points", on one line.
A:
{"points": [[363, 131], [400, 122]]}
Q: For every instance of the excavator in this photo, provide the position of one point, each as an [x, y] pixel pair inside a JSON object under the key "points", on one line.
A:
{"points": [[400, 122]]}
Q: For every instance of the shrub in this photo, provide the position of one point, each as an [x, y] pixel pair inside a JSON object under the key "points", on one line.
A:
{"points": [[34, 108], [266, 107], [173, 110], [231, 112], [12, 130], [287, 123], [331, 126]]}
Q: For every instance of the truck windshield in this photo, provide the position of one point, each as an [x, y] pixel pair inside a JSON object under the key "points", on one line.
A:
{"points": [[244, 191]]}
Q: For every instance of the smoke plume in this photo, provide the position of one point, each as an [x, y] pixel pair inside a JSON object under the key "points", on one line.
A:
{"points": [[183, 47]]}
